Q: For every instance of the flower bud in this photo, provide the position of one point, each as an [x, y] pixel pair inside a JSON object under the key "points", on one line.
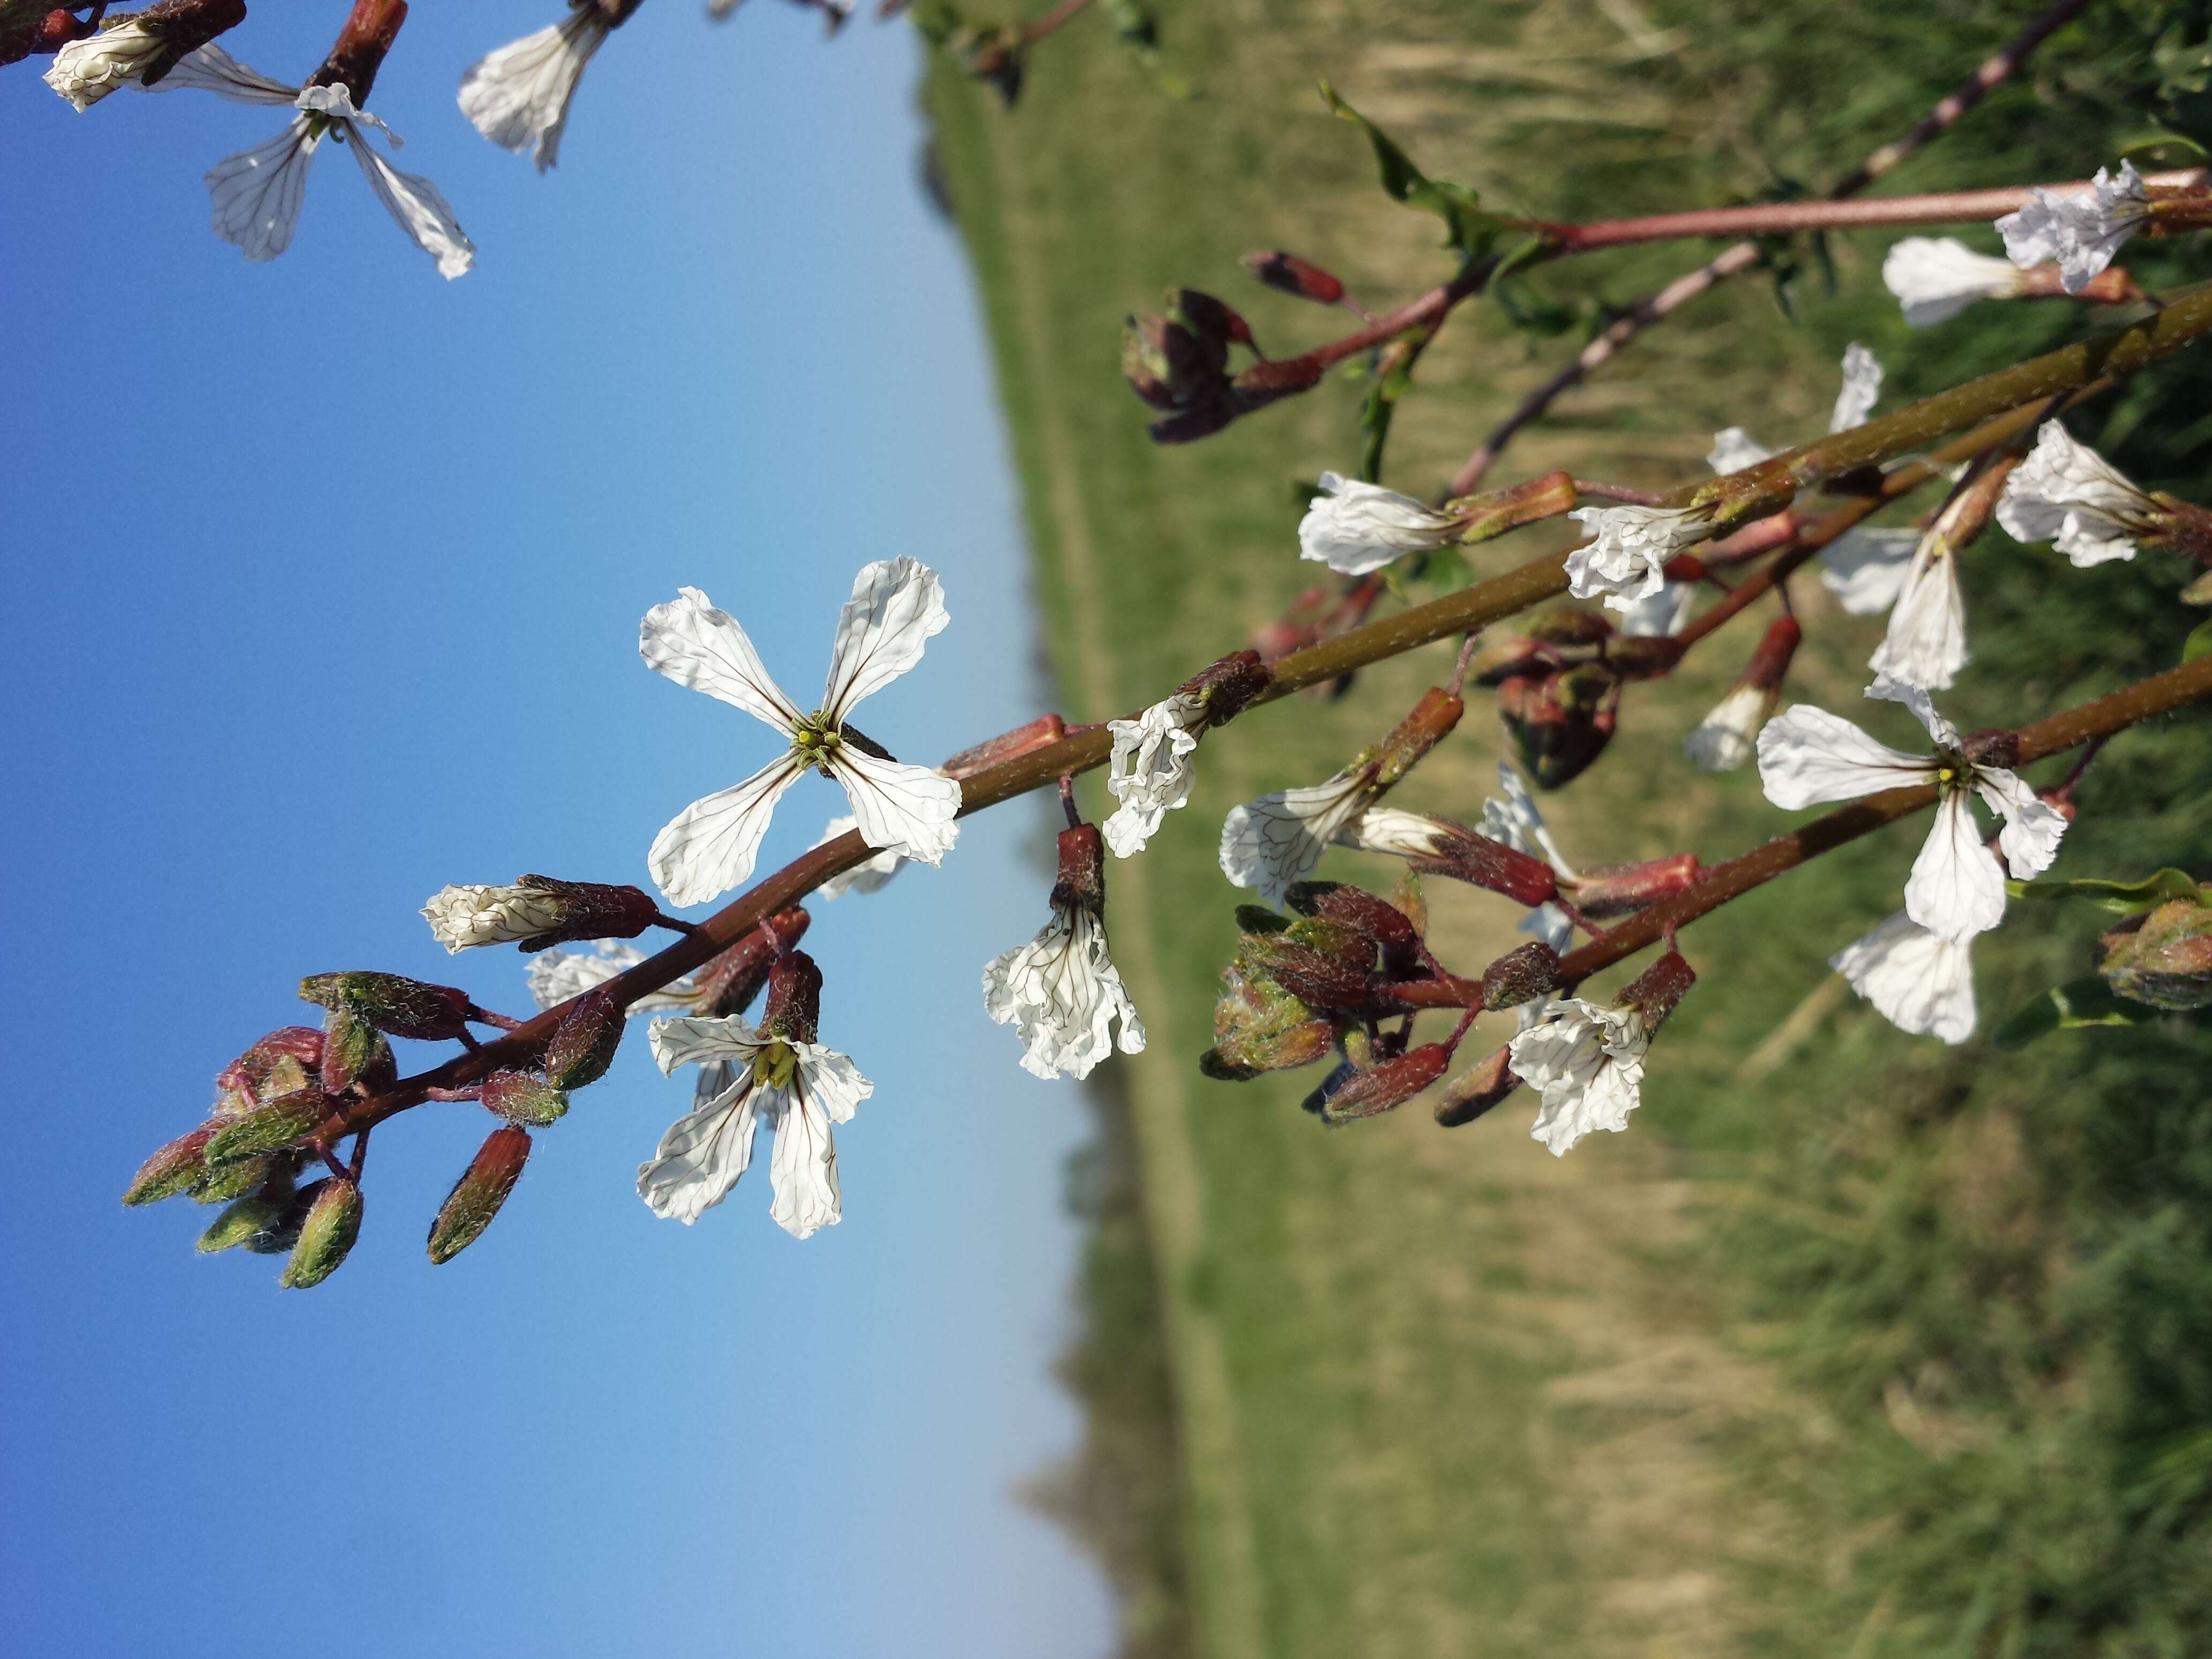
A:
{"points": [[1654, 992], [536, 912], [1259, 1026], [1288, 274], [176, 1168], [1522, 974], [239, 1175], [729, 983], [399, 1006], [1387, 928], [1350, 1093], [583, 1045], [1216, 325], [1621, 889], [1483, 862], [521, 1098], [1227, 688], [2165, 958], [1547, 495], [1475, 1092], [1317, 977], [1145, 362], [257, 1216], [332, 1223], [280, 1063], [478, 1196], [265, 1128], [1571, 626], [1562, 723], [354, 1051], [1644, 656], [793, 1011], [1264, 382], [143, 47]]}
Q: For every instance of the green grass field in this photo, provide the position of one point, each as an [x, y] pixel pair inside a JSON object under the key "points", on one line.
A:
{"points": [[1854, 1345]]}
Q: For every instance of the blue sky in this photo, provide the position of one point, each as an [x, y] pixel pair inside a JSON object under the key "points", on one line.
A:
{"points": [[322, 587]]}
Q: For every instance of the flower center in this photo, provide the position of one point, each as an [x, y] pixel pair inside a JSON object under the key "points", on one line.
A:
{"points": [[774, 1065], [815, 740]]}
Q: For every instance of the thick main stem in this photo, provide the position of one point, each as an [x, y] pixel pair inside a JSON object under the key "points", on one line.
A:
{"points": [[2117, 351]]}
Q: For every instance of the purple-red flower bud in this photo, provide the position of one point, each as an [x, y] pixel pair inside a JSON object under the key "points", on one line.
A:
{"points": [[729, 983], [1391, 930], [1228, 687], [392, 1004], [478, 1196], [1317, 978], [1350, 1093], [1522, 974], [1082, 883], [176, 1168], [794, 999], [1561, 723], [1475, 1091], [1654, 991], [583, 1045], [1288, 274], [1483, 862]]}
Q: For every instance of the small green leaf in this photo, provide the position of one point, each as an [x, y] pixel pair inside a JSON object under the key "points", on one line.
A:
{"points": [[2157, 145], [2078, 1003], [2198, 642], [1467, 227], [2122, 898]]}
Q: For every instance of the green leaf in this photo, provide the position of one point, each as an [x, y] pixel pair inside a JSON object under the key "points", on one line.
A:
{"points": [[2198, 642], [2157, 145], [1467, 227], [2071, 1006], [1380, 405], [2122, 898]]}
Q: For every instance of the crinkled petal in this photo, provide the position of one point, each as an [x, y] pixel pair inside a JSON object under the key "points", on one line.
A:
{"points": [[415, 207], [1587, 1063], [897, 605], [1354, 527], [698, 646], [1866, 569], [1956, 888], [1808, 756], [257, 192], [1925, 644], [2033, 827], [907, 809], [1150, 770], [711, 845], [1062, 994], [2067, 493], [866, 877], [1274, 841], [1862, 387], [518, 96], [1917, 981], [1630, 547]]}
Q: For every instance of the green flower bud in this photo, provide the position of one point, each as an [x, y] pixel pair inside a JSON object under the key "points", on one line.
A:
{"points": [[256, 1214], [398, 1006], [2166, 958], [266, 1128], [521, 1098], [327, 1233], [240, 1176], [584, 1043], [176, 1168], [478, 1196]]}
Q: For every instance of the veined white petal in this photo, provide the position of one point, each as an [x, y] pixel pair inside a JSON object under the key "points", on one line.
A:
{"points": [[463, 916], [908, 810], [802, 1170], [1063, 995], [1917, 981], [257, 192], [1926, 643], [85, 71], [896, 606], [1887, 688], [1862, 387], [696, 646], [1517, 822], [1956, 888], [1735, 449], [1659, 614], [1808, 756], [210, 68], [1587, 1062], [695, 1039], [1866, 569], [2067, 493], [518, 96], [1150, 771], [2033, 827], [866, 877], [1723, 741], [1274, 841], [831, 1081], [702, 1153], [2082, 233], [557, 975], [415, 207], [710, 845], [1354, 527], [1935, 278]]}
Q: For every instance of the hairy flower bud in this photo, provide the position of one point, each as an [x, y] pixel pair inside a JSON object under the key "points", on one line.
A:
{"points": [[1317, 977], [239, 1175], [1259, 1026], [399, 1006], [1389, 929], [1547, 495], [478, 1196], [267, 1128], [1288, 274], [255, 1218], [176, 1168], [1475, 1091], [142, 47], [1429, 723], [1621, 889], [729, 983], [583, 1045], [326, 1234], [1561, 723], [1522, 974], [2165, 957], [521, 1098], [354, 1051], [1352, 1092], [1226, 688], [1654, 992], [283, 1061], [793, 1011], [1482, 862]]}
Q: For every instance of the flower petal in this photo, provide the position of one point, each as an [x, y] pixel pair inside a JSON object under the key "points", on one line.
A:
{"points": [[257, 192], [698, 1039], [2033, 827], [907, 809], [210, 68], [1062, 994], [1807, 755], [1862, 387], [1887, 688], [1917, 981], [867, 877], [1866, 569], [1354, 527], [702, 1154], [1279, 839], [1957, 888], [802, 1170], [831, 1081], [1926, 643], [896, 606], [415, 207], [1936, 277], [711, 845], [518, 96], [696, 646]]}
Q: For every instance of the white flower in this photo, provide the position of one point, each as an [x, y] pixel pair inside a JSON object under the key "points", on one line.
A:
{"points": [[1062, 994], [1936, 277], [518, 96], [1721, 741], [1631, 546], [1276, 840], [798, 1089], [1866, 569], [462, 916], [85, 71], [868, 877], [1150, 771], [1862, 387], [1587, 1062], [1919, 981], [2066, 492], [1734, 449], [1926, 642], [1404, 835], [2080, 232], [557, 975], [1807, 755], [257, 192], [1658, 615], [1357, 527], [711, 845]]}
